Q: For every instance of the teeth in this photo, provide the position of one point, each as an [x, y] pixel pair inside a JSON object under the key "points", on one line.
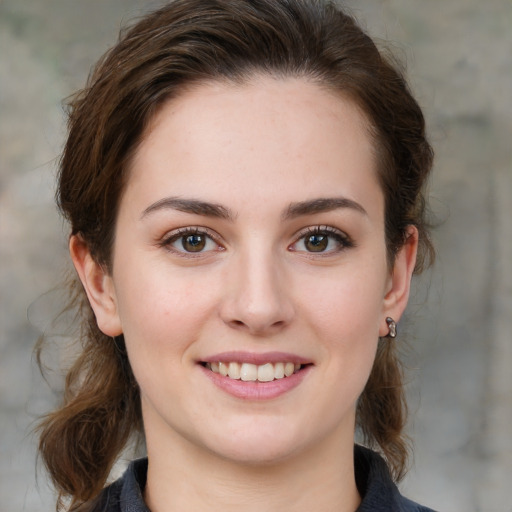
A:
{"points": [[223, 369], [289, 368], [251, 372], [234, 371], [248, 372], [279, 370], [266, 372]]}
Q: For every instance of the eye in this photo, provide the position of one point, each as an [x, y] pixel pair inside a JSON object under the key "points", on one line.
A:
{"points": [[322, 239], [191, 240]]}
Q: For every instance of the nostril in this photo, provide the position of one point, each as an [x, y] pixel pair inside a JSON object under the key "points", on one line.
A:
{"points": [[257, 327]]}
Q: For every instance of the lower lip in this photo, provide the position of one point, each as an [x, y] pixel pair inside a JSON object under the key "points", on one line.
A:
{"points": [[257, 391]]}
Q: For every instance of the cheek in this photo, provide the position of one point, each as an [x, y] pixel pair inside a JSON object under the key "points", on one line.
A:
{"points": [[349, 303], [345, 314], [160, 310]]}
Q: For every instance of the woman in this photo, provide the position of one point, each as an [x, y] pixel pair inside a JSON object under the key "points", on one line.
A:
{"points": [[243, 180]]}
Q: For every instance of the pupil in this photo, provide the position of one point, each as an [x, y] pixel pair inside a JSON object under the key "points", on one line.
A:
{"points": [[193, 243], [317, 243]]}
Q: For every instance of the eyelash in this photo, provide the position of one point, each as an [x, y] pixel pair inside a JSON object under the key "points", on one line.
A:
{"points": [[182, 233], [342, 240]]}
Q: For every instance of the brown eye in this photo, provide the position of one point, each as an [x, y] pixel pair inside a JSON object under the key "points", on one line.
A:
{"points": [[193, 243], [316, 243], [323, 240]]}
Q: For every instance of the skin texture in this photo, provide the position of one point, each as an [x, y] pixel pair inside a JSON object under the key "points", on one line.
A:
{"points": [[253, 151]]}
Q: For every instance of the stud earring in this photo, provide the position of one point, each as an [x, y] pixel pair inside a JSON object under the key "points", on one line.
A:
{"points": [[392, 327]]}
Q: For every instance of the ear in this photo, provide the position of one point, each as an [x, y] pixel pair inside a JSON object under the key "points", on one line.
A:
{"points": [[399, 285], [98, 285]]}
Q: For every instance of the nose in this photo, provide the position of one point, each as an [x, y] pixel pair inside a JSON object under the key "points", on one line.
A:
{"points": [[257, 296]]}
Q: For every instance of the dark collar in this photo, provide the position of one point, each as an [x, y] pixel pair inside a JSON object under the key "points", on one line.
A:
{"points": [[374, 483]]}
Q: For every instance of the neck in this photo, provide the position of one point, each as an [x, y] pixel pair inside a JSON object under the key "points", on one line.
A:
{"points": [[187, 478]]}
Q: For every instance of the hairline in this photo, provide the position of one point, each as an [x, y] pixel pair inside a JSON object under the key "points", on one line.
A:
{"points": [[247, 77]]}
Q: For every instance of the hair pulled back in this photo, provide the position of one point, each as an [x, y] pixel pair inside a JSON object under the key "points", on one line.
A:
{"points": [[194, 41]]}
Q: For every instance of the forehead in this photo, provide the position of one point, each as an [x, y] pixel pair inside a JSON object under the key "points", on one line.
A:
{"points": [[216, 101], [237, 138]]}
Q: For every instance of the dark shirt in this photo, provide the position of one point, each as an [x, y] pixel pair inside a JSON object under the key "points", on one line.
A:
{"points": [[377, 490]]}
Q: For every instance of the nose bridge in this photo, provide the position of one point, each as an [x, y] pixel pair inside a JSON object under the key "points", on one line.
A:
{"points": [[258, 299]]}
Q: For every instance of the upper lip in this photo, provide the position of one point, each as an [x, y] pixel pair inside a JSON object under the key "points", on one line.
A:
{"points": [[256, 358]]}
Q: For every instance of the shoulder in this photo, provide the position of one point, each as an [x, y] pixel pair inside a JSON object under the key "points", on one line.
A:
{"points": [[378, 491], [125, 494], [411, 506]]}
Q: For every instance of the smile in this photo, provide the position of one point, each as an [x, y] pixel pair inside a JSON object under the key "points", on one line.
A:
{"points": [[255, 376], [249, 372]]}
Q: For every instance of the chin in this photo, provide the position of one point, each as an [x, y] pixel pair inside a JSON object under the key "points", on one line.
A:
{"points": [[266, 445], [255, 455]]}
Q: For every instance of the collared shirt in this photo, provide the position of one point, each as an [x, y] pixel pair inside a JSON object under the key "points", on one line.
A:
{"points": [[378, 491]]}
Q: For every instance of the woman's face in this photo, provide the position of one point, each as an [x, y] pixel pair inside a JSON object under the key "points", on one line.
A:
{"points": [[251, 234]]}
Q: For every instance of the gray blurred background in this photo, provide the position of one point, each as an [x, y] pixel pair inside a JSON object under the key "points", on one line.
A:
{"points": [[459, 58]]}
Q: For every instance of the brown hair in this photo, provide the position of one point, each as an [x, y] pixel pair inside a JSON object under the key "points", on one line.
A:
{"points": [[193, 41]]}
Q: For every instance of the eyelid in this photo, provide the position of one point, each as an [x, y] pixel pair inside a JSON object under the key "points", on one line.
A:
{"points": [[175, 234], [170, 237], [343, 238]]}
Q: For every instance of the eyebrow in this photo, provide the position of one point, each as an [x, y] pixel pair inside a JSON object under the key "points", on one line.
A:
{"points": [[190, 206], [321, 205], [294, 210]]}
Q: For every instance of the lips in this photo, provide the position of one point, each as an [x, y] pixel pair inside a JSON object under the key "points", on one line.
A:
{"points": [[249, 372], [256, 376]]}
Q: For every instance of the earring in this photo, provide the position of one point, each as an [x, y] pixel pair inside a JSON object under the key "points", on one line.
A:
{"points": [[392, 327]]}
